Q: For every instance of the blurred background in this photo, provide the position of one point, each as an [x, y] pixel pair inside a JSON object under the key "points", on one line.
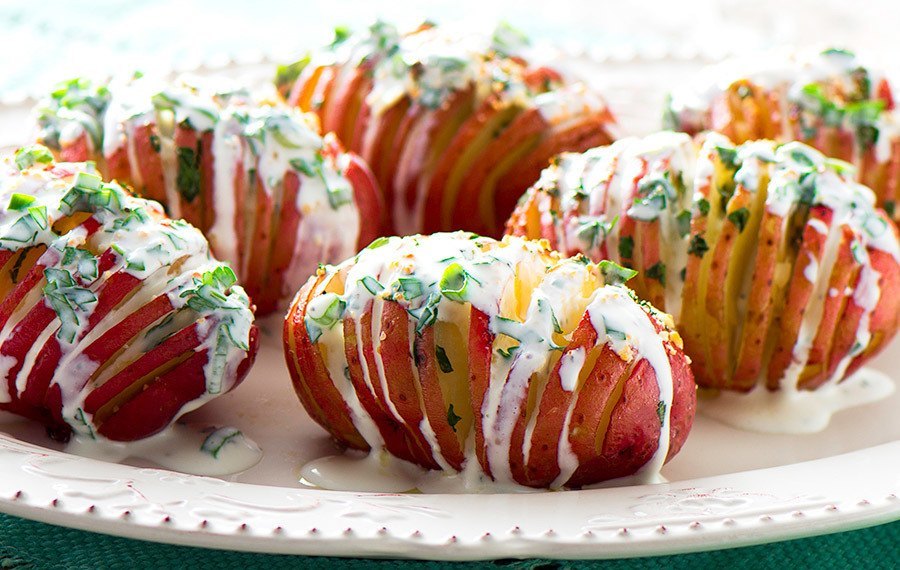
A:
{"points": [[639, 45]]}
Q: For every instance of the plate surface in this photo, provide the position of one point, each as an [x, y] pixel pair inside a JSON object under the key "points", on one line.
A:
{"points": [[727, 488]]}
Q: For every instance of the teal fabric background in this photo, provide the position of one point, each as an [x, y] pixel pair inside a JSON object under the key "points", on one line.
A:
{"points": [[30, 545]]}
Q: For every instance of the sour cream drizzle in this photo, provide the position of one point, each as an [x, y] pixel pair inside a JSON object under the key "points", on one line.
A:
{"points": [[558, 291]]}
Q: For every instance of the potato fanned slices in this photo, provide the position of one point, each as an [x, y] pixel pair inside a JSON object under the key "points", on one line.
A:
{"points": [[273, 196], [499, 359], [777, 266], [454, 125], [114, 319], [831, 100]]}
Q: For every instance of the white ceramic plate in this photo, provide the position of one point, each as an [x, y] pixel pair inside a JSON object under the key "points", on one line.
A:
{"points": [[727, 488]]}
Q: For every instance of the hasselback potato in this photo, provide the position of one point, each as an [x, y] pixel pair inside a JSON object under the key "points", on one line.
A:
{"points": [[830, 100], [499, 359], [454, 126], [273, 196], [114, 319], [777, 266]]}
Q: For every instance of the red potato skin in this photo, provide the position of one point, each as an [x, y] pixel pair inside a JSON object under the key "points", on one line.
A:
{"points": [[187, 138], [144, 413], [395, 437], [815, 372], [402, 387], [166, 352], [282, 250], [436, 217], [310, 376], [411, 449], [771, 308], [799, 292], [543, 465], [759, 306], [401, 149], [885, 320], [149, 164], [433, 400], [525, 127], [154, 408], [257, 259], [78, 151], [481, 341]]}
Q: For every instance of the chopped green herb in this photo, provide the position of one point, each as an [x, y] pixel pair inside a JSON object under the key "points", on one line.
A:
{"points": [[615, 274], [28, 156], [452, 418], [188, 179], [443, 361], [378, 242], [454, 282], [801, 158], [341, 34], [218, 439], [657, 271], [508, 352], [728, 157], [698, 246], [286, 75], [661, 412], [81, 261], [556, 328], [20, 201], [626, 247], [371, 284], [739, 218], [703, 206], [838, 51], [840, 166], [66, 299], [88, 181], [410, 287], [427, 314], [615, 334], [683, 222], [508, 40], [155, 143]]}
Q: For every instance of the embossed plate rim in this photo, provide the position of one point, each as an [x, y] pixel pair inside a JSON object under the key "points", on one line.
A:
{"points": [[739, 509]]}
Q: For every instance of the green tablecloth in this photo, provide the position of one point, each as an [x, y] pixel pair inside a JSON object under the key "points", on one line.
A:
{"points": [[26, 544]]}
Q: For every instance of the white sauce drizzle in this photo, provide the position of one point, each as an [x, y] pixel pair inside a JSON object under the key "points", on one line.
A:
{"points": [[796, 411], [180, 447]]}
